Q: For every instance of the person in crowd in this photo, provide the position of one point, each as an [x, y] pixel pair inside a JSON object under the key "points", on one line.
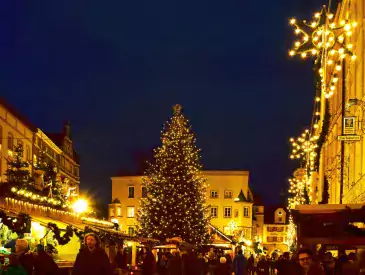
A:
{"points": [[14, 267], [174, 264], [328, 264], [307, 265], [351, 267], [263, 267], [44, 263], [283, 264], [342, 259], [120, 260], [149, 263], [222, 268], [251, 265], [26, 258], [161, 264], [239, 264], [92, 260]]}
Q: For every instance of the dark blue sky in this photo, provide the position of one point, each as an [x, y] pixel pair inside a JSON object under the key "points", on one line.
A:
{"points": [[115, 68]]}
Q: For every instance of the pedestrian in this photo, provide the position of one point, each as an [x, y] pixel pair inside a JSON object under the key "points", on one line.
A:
{"points": [[92, 260], [263, 267], [26, 258], [307, 265], [149, 263], [14, 267], [223, 267], [239, 264], [44, 263]]}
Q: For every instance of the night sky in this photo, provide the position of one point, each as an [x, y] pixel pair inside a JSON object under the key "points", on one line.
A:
{"points": [[116, 68]]}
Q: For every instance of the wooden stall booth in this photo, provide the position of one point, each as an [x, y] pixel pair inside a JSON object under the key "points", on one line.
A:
{"points": [[330, 226]]}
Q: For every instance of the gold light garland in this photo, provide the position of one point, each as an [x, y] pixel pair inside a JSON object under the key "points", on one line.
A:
{"points": [[304, 147], [326, 39]]}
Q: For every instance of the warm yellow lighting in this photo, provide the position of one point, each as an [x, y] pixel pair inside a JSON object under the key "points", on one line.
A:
{"points": [[291, 53], [80, 206], [292, 21]]}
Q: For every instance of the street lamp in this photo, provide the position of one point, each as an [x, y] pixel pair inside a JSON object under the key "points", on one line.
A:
{"points": [[80, 206]]}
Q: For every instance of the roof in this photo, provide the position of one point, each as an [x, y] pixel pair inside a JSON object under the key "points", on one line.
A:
{"points": [[58, 139], [269, 212], [241, 197], [226, 172], [18, 115]]}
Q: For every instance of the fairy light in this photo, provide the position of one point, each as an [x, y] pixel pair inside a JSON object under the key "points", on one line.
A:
{"points": [[327, 40]]}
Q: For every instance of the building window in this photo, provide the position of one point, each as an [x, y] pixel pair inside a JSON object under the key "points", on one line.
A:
{"points": [[214, 211], [236, 213], [144, 192], [246, 212], [130, 212], [10, 142], [130, 231], [228, 194], [280, 219], [27, 152], [20, 143], [227, 213], [1, 136], [119, 211], [213, 194], [111, 211], [130, 191]]}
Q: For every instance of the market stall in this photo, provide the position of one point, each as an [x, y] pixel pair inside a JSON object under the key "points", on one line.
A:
{"points": [[330, 226]]}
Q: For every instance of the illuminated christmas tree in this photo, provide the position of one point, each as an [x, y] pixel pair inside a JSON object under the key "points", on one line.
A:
{"points": [[17, 174], [175, 202]]}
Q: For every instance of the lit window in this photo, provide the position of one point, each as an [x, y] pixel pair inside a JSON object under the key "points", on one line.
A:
{"points": [[214, 211], [10, 142], [130, 211], [119, 211], [246, 212], [1, 136], [27, 152], [236, 213], [227, 212], [130, 191], [213, 194], [228, 194], [130, 231], [111, 211]]}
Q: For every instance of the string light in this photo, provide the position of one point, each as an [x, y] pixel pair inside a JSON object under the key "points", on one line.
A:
{"points": [[325, 39], [304, 148], [176, 188]]}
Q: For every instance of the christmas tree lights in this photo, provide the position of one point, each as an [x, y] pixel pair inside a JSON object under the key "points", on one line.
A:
{"points": [[176, 189], [326, 38]]}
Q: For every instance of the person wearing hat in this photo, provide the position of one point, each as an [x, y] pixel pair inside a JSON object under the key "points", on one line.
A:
{"points": [[92, 260]]}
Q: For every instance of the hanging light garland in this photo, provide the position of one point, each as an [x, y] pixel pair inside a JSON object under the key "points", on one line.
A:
{"points": [[326, 39], [304, 148]]}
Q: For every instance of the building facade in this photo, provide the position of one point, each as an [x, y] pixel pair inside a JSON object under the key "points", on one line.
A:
{"points": [[14, 129], [342, 163], [271, 223], [57, 148], [228, 195]]}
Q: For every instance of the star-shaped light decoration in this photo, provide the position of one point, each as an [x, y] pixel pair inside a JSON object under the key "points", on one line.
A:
{"points": [[304, 148], [326, 39]]}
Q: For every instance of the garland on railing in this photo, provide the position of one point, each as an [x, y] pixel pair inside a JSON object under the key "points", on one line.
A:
{"points": [[324, 133], [65, 238], [20, 224]]}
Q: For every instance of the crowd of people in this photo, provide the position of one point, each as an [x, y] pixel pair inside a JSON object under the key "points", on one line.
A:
{"points": [[93, 260]]}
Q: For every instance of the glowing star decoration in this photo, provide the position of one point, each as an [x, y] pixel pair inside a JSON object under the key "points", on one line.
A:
{"points": [[326, 39], [304, 148]]}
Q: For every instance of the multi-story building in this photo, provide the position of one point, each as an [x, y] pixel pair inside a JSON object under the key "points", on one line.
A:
{"points": [[228, 195], [271, 224], [58, 148], [342, 163], [276, 221], [15, 129]]}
